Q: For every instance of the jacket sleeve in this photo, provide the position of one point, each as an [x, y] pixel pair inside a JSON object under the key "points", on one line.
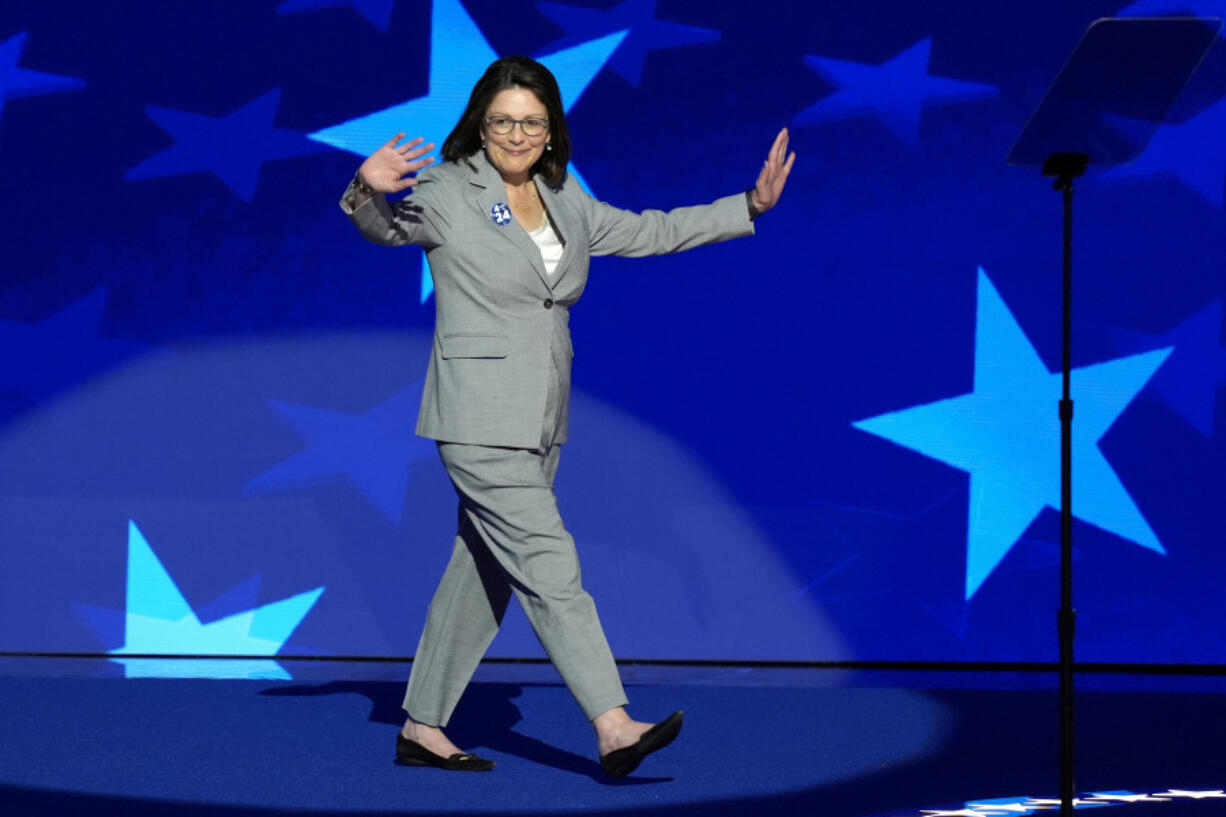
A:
{"points": [[614, 231], [417, 219]]}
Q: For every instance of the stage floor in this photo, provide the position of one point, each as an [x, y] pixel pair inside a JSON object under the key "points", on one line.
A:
{"points": [[94, 736]]}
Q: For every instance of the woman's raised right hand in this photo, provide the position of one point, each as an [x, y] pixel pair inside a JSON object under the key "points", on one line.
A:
{"points": [[386, 170]]}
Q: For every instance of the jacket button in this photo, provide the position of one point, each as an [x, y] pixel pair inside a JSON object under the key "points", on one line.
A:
{"points": [[549, 303]]}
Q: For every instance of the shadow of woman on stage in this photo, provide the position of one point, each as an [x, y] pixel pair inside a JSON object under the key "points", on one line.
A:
{"points": [[487, 720]]}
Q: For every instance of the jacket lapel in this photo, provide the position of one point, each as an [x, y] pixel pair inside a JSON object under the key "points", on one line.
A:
{"points": [[565, 221], [491, 195]]}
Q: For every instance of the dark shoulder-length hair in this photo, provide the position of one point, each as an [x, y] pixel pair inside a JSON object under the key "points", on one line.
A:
{"points": [[514, 72]]}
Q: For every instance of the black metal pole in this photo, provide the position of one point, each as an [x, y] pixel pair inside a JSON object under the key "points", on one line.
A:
{"points": [[1066, 620], [1066, 167]]}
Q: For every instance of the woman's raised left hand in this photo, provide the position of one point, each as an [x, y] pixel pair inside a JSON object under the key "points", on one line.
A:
{"points": [[774, 174]]}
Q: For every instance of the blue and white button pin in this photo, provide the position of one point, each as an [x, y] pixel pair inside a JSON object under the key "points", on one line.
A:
{"points": [[500, 214]]}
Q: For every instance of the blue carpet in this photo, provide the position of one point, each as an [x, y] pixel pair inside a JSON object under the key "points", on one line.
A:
{"points": [[193, 747]]}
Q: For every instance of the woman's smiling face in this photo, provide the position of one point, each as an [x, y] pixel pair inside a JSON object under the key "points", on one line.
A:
{"points": [[514, 153]]}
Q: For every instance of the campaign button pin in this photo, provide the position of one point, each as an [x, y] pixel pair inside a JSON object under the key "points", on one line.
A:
{"points": [[500, 214]]}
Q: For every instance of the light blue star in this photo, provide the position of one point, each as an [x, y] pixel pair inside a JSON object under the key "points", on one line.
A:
{"points": [[636, 16], [458, 55], [235, 669], [378, 12], [894, 92], [159, 621], [231, 147], [1193, 150], [1006, 434], [16, 83], [375, 451], [1189, 379], [1011, 806], [61, 350]]}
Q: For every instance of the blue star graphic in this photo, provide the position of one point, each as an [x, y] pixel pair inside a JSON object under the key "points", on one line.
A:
{"points": [[61, 350], [852, 524], [1189, 380], [377, 12], [231, 147], [159, 621], [1193, 151], [636, 16], [1006, 434], [1155, 8], [21, 82], [458, 54], [894, 92], [1012, 806], [375, 450]]}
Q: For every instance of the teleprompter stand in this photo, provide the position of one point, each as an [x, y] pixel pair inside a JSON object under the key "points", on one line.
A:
{"points": [[1102, 109]]}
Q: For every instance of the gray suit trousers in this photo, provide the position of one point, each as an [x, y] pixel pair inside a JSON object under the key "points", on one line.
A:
{"points": [[511, 540]]}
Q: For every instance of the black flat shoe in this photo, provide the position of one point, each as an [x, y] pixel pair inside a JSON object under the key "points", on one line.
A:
{"points": [[621, 762], [412, 753]]}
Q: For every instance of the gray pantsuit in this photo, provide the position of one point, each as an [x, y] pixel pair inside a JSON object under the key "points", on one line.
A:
{"points": [[496, 398], [511, 539]]}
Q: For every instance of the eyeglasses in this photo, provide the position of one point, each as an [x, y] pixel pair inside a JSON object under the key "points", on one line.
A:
{"points": [[502, 125]]}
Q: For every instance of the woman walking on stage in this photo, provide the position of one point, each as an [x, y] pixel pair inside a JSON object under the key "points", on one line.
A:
{"points": [[509, 237]]}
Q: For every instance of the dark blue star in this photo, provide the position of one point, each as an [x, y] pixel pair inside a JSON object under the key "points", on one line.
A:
{"points": [[894, 92], [231, 147], [375, 450], [846, 579], [1189, 379], [60, 350], [378, 12], [1156, 8], [1193, 150], [636, 16], [20, 82]]}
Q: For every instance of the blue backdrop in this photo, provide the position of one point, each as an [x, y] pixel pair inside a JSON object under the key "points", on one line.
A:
{"points": [[834, 441]]}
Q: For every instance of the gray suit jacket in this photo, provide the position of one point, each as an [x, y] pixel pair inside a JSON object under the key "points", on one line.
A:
{"points": [[499, 318]]}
